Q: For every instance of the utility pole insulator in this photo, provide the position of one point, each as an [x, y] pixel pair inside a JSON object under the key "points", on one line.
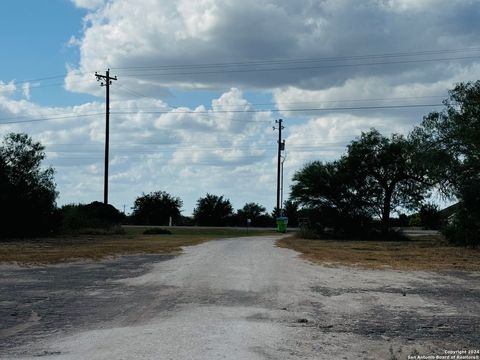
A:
{"points": [[106, 80], [281, 147]]}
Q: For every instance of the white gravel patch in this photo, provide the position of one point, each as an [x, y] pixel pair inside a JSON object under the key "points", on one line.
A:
{"points": [[246, 299]]}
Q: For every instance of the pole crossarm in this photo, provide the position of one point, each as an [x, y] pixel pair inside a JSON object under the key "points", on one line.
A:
{"points": [[106, 78]]}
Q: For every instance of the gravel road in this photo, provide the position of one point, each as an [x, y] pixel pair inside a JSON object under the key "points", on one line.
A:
{"points": [[238, 298]]}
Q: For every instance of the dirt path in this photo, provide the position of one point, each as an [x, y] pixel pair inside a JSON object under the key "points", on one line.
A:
{"points": [[233, 299]]}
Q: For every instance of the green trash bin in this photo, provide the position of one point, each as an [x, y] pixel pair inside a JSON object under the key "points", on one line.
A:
{"points": [[282, 224]]}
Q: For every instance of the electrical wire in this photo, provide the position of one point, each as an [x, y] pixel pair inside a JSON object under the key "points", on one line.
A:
{"points": [[289, 61], [245, 111], [48, 118], [275, 62], [300, 68]]}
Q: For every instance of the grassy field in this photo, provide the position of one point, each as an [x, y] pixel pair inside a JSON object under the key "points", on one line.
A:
{"points": [[83, 246], [420, 253]]}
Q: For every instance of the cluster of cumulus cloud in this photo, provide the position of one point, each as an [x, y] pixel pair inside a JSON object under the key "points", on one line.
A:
{"points": [[316, 63]]}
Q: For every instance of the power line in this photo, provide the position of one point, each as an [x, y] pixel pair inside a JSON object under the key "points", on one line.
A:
{"points": [[219, 161], [134, 92], [188, 149], [47, 118], [287, 61], [301, 68], [140, 109], [298, 102], [247, 111], [262, 62], [38, 86]]}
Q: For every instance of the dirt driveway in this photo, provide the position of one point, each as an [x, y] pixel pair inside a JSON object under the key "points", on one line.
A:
{"points": [[238, 298]]}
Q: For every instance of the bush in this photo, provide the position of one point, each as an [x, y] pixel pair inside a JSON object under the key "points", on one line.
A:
{"points": [[27, 189], [328, 223], [156, 208], [401, 221], [213, 210], [115, 230], [463, 227], [95, 215], [306, 232], [156, 231], [415, 221], [430, 217], [186, 221]]}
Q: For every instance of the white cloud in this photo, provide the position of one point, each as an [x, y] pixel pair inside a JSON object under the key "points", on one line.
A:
{"points": [[162, 48], [7, 88], [26, 90], [88, 4], [149, 151], [153, 34]]}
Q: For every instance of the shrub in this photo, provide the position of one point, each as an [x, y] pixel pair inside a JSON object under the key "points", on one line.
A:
{"points": [[415, 221], [327, 222], [27, 189], [95, 215], [115, 230], [186, 221], [430, 217], [156, 231], [156, 208], [213, 210], [463, 227]]}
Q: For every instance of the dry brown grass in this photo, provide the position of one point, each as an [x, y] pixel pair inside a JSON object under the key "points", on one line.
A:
{"points": [[422, 253], [95, 247]]}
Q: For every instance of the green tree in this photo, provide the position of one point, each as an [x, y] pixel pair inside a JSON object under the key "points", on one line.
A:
{"points": [[252, 211], [430, 216], [388, 173], [375, 177], [27, 191], [464, 227], [156, 208], [256, 213], [327, 194], [90, 216], [291, 211], [327, 185], [451, 148], [213, 210]]}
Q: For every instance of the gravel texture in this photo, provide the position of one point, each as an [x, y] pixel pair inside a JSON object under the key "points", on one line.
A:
{"points": [[238, 298]]}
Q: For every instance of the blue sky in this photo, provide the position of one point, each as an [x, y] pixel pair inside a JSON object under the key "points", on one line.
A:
{"points": [[35, 38], [200, 84]]}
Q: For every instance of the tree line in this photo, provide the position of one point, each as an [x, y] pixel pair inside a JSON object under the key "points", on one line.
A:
{"points": [[351, 197], [379, 175], [156, 208], [28, 194]]}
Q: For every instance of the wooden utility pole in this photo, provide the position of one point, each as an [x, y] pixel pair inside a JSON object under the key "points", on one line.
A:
{"points": [[106, 80], [281, 147]]}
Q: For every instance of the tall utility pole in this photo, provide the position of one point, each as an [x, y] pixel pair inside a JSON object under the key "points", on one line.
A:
{"points": [[106, 81], [281, 147], [281, 183]]}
